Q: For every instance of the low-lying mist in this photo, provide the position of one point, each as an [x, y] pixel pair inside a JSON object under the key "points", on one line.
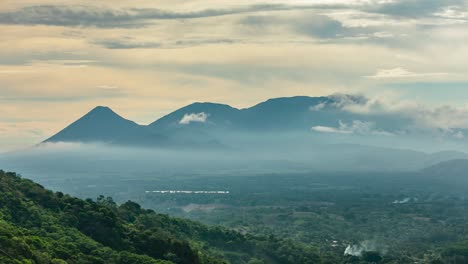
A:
{"points": [[241, 155]]}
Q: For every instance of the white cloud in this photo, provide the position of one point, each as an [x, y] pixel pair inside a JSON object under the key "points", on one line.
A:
{"points": [[363, 128], [318, 106], [383, 34], [325, 129], [356, 127], [392, 73], [443, 120], [400, 73], [193, 117]]}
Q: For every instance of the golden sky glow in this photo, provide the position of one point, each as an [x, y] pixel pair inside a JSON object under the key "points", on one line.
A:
{"points": [[58, 59]]}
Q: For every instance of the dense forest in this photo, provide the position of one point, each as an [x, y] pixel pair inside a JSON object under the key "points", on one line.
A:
{"points": [[40, 226]]}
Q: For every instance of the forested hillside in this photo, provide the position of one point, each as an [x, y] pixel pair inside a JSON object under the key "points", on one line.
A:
{"points": [[40, 226]]}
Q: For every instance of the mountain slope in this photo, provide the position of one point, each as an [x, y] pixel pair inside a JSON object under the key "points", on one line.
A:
{"points": [[40, 226], [99, 125], [216, 114], [456, 168], [103, 125], [282, 113]]}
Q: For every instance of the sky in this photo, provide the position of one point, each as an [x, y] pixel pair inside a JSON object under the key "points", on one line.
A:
{"points": [[144, 59]]}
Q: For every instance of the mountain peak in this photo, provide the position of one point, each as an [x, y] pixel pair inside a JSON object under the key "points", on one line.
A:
{"points": [[102, 110], [101, 107], [102, 114], [99, 124]]}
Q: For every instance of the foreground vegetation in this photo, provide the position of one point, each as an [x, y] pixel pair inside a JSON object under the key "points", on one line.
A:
{"points": [[40, 226], [266, 219]]}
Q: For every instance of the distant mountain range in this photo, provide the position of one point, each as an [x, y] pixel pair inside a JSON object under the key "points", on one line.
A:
{"points": [[207, 124], [317, 132]]}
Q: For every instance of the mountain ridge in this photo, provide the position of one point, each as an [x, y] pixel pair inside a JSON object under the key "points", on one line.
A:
{"points": [[102, 124], [282, 113], [214, 125]]}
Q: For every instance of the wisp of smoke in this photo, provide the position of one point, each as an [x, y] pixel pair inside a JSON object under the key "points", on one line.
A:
{"points": [[367, 245]]}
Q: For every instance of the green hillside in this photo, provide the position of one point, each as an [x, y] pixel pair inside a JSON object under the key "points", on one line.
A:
{"points": [[41, 226]]}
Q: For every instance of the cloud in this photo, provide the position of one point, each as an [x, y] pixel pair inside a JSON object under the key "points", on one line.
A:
{"points": [[123, 44], [58, 146], [363, 128], [413, 117], [308, 24], [401, 73], [325, 129], [345, 27], [13, 71], [383, 34], [133, 44], [318, 106], [340, 100], [412, 8], [70, 16], [98, 92], [107, 87], [86, 16], [453, 12], [357, 127], [196, 42], [366, 23], [193, 117], [322, 26], [66, 62]]}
